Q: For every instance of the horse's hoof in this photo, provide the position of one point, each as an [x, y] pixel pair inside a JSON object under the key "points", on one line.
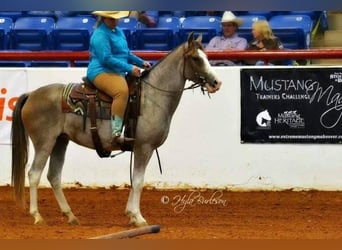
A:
{"points": [[135, 223], [141, 224], [73, 221], [136, 220], [38, 219], [39, 222]]}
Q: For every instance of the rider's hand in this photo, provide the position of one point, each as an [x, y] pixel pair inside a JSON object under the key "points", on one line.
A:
{"points": [[136, 71], [147, 65]]}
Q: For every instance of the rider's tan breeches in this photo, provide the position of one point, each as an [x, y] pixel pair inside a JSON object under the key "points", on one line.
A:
{"points": [[115, 86]]}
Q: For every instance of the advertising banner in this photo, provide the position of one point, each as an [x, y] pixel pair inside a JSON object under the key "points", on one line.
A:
{"points": [[12, 84], [291, 105]]}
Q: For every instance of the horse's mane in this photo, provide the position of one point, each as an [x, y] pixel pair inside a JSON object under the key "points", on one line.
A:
{"points": [[146, 72]]}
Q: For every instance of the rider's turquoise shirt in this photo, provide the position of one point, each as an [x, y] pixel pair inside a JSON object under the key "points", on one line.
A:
{"points": [[109, 52]]}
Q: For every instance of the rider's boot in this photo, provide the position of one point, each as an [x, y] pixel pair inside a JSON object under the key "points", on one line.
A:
{"points": [[117, 123]]}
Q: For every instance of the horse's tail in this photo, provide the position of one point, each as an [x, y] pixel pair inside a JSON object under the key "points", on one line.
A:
{"points": [[19, 151]]}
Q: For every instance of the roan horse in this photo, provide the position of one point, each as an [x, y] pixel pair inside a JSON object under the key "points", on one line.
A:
{"points": [[38, 115]]}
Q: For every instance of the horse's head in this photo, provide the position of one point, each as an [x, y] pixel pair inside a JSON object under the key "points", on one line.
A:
{"points": [[197, 67]]}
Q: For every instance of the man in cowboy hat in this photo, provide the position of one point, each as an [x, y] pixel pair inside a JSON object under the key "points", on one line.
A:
{"points": [[229, 40], [110, 61]]}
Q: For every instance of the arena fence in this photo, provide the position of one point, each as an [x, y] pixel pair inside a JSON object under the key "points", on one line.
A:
{"points": [[73, 56]]}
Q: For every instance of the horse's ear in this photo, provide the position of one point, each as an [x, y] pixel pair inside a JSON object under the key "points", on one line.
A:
{"points": [[199, 38], [190, 37]]}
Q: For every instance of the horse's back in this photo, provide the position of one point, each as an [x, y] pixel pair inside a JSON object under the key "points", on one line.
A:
{"points": [[43, 107]]}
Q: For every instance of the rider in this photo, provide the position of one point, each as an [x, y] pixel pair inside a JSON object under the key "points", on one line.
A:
{"points": [[110, 61]]}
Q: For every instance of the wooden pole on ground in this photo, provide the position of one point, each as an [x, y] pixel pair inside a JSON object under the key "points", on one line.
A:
{"points": [[130, 233]]}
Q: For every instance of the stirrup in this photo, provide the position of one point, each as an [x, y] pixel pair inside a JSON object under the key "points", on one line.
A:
{"points": [[119, 140]]}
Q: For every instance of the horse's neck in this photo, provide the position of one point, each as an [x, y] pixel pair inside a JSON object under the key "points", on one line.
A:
{"points": [[164, 84], [168, 73]]}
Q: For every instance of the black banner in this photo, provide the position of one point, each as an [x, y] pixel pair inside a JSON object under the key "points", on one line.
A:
{"points": [[291, 105]]}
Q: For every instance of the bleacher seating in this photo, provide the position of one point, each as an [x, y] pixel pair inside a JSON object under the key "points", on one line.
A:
{"points": [[6, 24], [14, 63], [49, 64], [293, 30], [266, 14], [208, 26], [47, 13], [314, 15], [81, 63], [28, 30], [14, 15], [163, 37], [73, 33], [245, 30], [129, 27], [32, 33]]}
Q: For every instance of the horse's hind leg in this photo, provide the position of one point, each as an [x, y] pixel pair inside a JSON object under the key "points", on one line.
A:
{"points": [[35, 172], [54, 176]]}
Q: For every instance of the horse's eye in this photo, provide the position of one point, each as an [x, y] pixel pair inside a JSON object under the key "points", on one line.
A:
{"points": [[196, 59]]}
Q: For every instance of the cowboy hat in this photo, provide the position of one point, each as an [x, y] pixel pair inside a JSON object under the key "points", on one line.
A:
{"points": [[111, 14], [229, 17]]}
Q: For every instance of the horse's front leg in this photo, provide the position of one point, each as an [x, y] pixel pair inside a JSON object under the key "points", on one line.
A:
{"points": [[142, 155]]}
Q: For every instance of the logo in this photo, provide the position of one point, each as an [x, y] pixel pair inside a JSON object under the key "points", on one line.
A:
{"points": [[6, 105], [292, 118], [263, 120], [337, 76], [180, 202]]}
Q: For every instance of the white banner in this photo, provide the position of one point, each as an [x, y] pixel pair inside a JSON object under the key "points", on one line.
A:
{"points": [[13, 83], [220, 161]]}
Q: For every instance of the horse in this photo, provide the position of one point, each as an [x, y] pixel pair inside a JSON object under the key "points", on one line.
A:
{"points": [[38, 116]]}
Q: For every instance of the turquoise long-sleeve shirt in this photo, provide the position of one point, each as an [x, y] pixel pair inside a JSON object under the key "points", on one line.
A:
{"points": [[109, 52]]}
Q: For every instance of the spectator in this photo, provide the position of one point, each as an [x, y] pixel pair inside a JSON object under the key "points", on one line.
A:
{"points": [[264, 40], [229, 40], [148, 18]]}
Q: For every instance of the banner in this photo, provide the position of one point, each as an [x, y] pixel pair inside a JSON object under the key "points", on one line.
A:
{"points": [[12, 84], [291, 105]]}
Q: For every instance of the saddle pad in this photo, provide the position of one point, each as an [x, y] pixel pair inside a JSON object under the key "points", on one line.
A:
{"points": [[79, 105]]}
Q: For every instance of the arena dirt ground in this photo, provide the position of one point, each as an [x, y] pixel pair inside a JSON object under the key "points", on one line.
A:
{"points": [[207, 214]]}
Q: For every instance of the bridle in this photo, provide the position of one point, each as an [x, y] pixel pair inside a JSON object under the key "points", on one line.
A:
{"points": [[200, 80]]}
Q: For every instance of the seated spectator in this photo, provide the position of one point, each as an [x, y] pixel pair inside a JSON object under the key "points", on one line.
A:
{"points": [[264, 40], [229, 40], [148, 18]]}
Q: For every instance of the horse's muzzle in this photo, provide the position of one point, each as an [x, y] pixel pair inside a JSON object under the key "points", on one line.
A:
{"points": [[214, 86]]}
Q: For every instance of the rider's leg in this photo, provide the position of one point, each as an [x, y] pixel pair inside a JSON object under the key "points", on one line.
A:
{"points": [[115, 85]]}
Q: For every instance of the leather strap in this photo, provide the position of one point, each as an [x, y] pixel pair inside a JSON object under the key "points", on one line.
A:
{"points": [[93, 129]]}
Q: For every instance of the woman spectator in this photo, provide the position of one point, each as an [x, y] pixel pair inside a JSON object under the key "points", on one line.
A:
{"points": [[264, 39]]}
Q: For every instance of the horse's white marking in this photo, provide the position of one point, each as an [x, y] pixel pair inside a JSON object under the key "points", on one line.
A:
{"points": [[208, 68]]}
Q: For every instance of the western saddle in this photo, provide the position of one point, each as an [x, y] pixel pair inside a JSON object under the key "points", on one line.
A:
{"points": [[85, 100]]}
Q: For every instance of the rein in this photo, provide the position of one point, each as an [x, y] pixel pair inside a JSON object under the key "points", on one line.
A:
{"points": [[200, 83], [193, 86]]}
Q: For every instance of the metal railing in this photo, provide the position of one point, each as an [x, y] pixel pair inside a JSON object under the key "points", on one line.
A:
{"points": [[73, 56]]}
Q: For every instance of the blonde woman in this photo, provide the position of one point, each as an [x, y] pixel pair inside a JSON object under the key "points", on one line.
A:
{"points": [[264, 40]]}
